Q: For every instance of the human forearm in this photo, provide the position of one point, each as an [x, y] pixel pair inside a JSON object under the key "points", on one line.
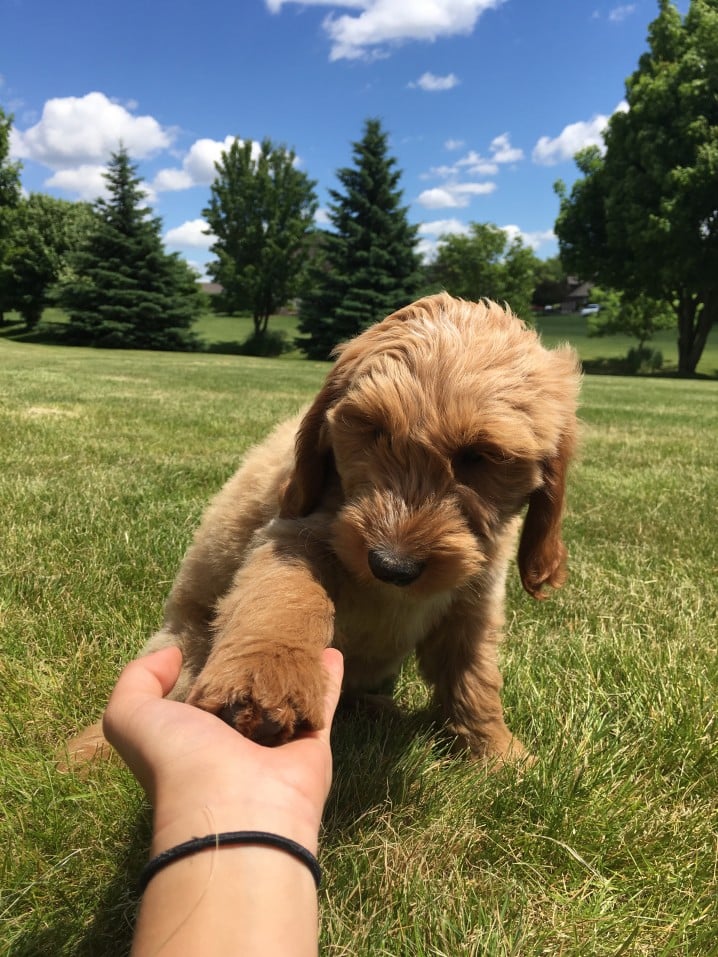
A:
{"points": [[205, 779], [249, 900]]}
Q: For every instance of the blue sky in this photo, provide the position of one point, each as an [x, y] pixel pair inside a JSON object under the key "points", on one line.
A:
{"points": [[485, 101]]}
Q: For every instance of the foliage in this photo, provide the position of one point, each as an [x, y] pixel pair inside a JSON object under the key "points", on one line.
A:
{"points": [[643, 217], [261, 211], [638, 316], [486, 263], [272, 342], [550, 282], [125, 290], [46, 233], [605, 846], [10, 196], [643, 360], [367, 266]]}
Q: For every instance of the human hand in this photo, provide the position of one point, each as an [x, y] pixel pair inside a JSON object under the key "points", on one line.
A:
{"points": [[203, 776]]}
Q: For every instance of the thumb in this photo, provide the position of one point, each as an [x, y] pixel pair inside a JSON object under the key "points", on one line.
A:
{"points": [[333, 662], [152, 676]]}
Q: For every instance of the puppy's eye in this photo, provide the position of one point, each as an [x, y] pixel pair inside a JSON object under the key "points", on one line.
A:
{"points": [[466, 457]]}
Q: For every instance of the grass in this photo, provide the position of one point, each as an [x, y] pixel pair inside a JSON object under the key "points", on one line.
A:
{"points": [[606, 847], [223, 334]]}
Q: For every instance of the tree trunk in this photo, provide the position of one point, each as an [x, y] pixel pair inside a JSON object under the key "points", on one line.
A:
{"points": [[696, 316], [260, 324]]}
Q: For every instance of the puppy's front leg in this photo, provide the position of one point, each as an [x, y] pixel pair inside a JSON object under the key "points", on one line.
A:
{"points": [[264, 673], [459, 659]]}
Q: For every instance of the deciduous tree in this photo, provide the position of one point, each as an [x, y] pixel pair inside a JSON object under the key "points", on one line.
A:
{"points": [[9, 198], [639, 317], [643, 218], [486, 262], [261, 211], [46, 233]]}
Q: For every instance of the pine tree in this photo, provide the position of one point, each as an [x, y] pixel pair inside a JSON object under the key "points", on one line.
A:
{"points": [[126, 291], [367, 266]]}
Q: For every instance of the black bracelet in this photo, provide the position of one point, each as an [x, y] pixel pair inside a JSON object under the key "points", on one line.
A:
{"points": [[227, 839]]}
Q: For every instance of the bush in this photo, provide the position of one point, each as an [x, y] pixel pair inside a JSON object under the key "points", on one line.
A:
{"points": [[642, 360], [268, 345]]}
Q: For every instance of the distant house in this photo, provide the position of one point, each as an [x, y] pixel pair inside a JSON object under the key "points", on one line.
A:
{"points": [[578, 295], [211, 288]]}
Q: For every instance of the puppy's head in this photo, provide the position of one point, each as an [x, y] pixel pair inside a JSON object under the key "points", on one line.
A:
{"points": [[442, 422]]}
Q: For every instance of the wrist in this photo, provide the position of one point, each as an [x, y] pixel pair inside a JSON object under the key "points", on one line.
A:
{"points": [[174, 825]]}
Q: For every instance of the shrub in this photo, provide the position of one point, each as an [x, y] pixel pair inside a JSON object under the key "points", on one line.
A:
{"points": [[642, 360]]}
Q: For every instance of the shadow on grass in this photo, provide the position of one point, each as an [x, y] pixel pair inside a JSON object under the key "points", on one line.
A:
{"points": [[620, 366], [57, 334], [45, 334]]}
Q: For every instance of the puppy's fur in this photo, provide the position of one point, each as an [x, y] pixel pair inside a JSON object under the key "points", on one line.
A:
{"points": [[382, 521]]}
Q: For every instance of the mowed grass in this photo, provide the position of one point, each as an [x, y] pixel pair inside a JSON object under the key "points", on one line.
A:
{"points": [[607, 846], [219, 333]]}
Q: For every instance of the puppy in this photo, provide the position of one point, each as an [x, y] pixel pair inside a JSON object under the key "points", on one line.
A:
{"points": [[382, 521]]}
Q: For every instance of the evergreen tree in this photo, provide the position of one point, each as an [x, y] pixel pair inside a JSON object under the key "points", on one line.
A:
{"points": [[261, 210], [126, 291], [367, 266]]}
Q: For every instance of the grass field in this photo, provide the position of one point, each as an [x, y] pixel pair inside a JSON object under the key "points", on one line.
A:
{"points": [[607, 846], [224, 334]]}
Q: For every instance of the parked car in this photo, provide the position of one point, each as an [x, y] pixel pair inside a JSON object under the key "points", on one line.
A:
{"points": [[591, 309]]}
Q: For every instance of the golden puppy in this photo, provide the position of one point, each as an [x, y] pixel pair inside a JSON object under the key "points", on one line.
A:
{"points": [[382, 521]]}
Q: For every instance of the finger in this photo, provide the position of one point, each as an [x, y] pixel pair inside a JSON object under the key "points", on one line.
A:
{"points": [[152, 676], [333, 662]]}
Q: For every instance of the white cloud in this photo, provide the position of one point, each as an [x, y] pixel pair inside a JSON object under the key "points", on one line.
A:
{"points": [[274, 6], [431, 233], [168, 180], [321, 217], [433, 84], [86, 182], [531, 239], [379, 23], [475, 165], [452, 145], [191, 234], [503, 152], [619, 14], [198, 165], [454, 195], [442, 227], [76, 131], [574, 137]]}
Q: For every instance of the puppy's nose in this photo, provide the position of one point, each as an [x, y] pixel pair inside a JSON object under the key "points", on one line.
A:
{"points": [[394, 569]]}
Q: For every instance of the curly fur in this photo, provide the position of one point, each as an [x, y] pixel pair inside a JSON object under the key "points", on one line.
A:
{"points": [[382, 521]]}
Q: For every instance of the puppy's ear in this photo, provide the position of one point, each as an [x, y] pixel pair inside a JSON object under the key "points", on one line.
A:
{"points": [[303, 490], [542, 553]]}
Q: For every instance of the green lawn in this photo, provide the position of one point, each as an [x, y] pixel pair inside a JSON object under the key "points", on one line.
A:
{"points": [[607, 846], [598, 353], [223, 334]]}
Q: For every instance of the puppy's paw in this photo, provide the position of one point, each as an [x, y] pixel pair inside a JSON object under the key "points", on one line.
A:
{"points": [[267, 697]]}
